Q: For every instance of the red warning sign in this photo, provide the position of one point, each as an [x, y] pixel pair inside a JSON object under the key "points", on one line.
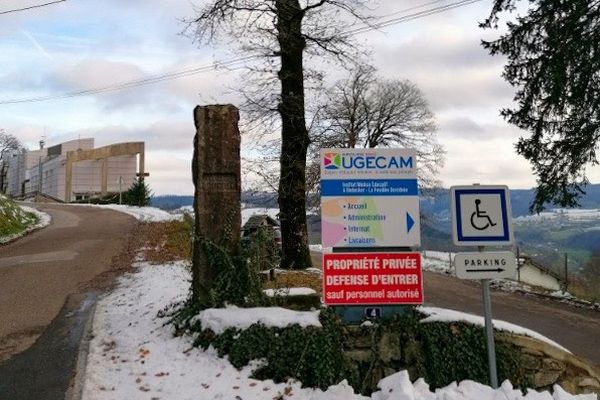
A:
{"points": [[372, 278]]}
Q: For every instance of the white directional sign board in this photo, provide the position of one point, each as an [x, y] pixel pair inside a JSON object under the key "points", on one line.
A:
{"points": [[481, 215], [485, 265], [369, 198]]}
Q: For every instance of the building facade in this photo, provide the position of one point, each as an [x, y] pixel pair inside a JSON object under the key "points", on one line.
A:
{"points": [[75, 170]]}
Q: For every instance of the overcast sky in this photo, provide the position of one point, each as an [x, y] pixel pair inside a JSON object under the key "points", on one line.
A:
{"points": [[82, 44]]}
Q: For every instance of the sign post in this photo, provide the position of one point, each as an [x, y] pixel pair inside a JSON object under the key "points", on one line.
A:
{"points": [[370, 219], [481, 216]]}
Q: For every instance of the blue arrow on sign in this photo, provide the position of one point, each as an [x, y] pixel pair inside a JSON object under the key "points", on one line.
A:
{"points": [[409, 222]]}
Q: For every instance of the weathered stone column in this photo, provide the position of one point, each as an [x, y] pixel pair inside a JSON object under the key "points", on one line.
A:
{"points": [[216, 175]]}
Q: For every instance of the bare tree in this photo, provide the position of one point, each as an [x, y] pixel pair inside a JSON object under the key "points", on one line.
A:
{"points": [[280, 32], [8, 144], [365, 111]]}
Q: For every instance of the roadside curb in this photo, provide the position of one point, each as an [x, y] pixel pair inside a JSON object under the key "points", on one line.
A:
{"points": [[75, 391], [47, 369]]}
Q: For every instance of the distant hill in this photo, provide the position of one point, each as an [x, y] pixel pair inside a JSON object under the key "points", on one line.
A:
{"points": [[250, 199], [437, 203], [171, 202]]}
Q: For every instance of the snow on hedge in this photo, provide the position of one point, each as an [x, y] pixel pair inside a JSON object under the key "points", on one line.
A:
{"points": [[294, 291], [219, 319], [444, 315]]}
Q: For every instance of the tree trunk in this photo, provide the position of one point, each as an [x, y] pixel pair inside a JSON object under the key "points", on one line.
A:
{"points": [[294, 137]]}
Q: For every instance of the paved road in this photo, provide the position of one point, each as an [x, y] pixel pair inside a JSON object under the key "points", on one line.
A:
{"points": [[56, 269], [575, 328]]}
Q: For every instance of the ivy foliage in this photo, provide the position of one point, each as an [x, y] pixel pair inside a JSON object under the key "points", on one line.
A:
{"points": [[320, 357], [237, 281], [312, 355], [457, 351]]}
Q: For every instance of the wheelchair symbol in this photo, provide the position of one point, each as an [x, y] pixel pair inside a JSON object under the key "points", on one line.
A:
{"points": [[479, 219]]}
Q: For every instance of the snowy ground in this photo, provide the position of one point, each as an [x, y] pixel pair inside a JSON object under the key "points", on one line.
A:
{"points": [[43, 220], [133, 355], [145, 214]]}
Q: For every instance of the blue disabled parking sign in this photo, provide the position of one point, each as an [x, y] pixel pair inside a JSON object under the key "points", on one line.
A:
{"points": [[481, 215]]}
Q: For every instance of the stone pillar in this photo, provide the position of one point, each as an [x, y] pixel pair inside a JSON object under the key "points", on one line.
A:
{"points": [[216, 175]]}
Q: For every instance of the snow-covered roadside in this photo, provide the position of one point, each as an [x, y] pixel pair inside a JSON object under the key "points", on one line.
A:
{"points": [[144, 214], [43, 221], [134, 356]]}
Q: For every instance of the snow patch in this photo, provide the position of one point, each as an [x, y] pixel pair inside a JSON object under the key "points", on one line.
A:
{"points": [[294, 291], [220, 319], [144, 214]]}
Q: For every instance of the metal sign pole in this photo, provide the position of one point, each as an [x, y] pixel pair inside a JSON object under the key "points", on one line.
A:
{"points": [[481, 216], [489, 332], [489, 329]]}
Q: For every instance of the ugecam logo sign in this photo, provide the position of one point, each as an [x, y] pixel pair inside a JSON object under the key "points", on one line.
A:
{"points": [[334, 161], [368, 164]]}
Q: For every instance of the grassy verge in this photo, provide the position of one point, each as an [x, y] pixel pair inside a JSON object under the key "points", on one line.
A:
{"points": [[167, 241], [13, 220]]}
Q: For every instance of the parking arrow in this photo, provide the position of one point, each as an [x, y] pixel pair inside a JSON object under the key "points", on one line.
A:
{"points": [[486, 270], [409, 222]]}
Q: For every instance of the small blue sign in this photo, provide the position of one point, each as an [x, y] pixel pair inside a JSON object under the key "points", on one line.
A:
{"points": [[369, 187]]}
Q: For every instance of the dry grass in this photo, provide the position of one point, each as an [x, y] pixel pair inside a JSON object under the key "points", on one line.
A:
{"points": [[291, 279], [166, 241], [583, 289]]}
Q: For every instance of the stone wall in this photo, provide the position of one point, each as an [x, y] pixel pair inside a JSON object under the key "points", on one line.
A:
{"points": [[550, 365], [545, 364]]}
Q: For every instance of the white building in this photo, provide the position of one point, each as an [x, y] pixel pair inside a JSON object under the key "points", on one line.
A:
{"points": [[535, 274], [75, 170]]}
